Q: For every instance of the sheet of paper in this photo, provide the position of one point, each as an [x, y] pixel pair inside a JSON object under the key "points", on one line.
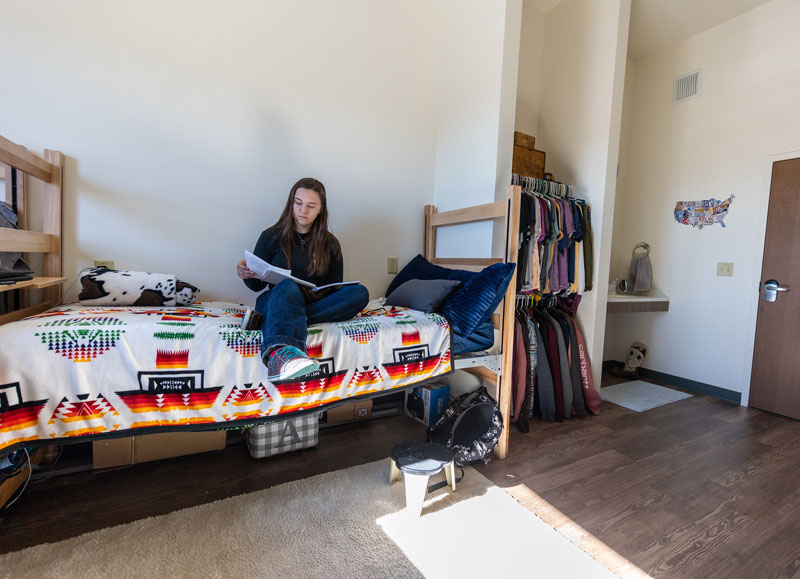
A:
{"points": [[321, 287], [268, 272]]}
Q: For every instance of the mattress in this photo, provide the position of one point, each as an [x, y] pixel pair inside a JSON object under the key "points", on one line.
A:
{"points": [[93, 372]]}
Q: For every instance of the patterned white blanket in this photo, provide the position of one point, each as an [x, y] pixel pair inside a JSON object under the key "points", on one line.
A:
{"points": [[89, 371]]}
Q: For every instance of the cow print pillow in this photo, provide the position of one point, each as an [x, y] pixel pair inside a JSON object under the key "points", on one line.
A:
{"points": [[109, 287]]}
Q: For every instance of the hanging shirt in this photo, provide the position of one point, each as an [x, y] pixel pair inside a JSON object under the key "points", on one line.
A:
{"points": [[588, 258]]}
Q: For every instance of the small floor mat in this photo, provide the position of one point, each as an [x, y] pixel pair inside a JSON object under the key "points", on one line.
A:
{"points": [[639, 395]]}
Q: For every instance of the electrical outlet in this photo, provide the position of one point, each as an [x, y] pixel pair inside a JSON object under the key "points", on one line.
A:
{"points": [[724, 269], [109, 263], [391, 265]]}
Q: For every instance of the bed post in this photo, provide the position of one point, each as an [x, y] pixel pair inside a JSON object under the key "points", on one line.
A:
{"points": [[52, 223], [430, 234], [513, 194], [16, 196]]}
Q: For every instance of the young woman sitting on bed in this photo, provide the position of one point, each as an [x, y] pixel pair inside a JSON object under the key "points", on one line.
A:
{"points": [[300, 241]]}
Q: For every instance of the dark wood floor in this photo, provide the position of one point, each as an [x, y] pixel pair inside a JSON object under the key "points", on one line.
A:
{"points": [[698, 488]]}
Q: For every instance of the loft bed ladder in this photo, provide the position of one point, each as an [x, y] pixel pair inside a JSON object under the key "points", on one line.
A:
{"points": [[494, 368]]}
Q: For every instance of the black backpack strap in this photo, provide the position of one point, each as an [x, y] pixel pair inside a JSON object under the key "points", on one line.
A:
{"points": [[462, 399]]}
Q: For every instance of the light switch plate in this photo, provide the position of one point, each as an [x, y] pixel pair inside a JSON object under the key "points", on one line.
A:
{"points": [[391, 265], [725, 269]]}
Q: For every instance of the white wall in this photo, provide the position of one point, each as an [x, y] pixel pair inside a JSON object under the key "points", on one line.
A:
{"points": [[475, 120], [475, 125], [508, 99], [186, 123], [579, 126], [529, 78], [711, 146], [620, 261]]}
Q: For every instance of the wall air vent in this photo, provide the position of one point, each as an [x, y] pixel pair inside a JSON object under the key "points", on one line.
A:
{"points": [[687, 86]]}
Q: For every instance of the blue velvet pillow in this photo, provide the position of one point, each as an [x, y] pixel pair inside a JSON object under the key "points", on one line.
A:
{"points": [[475, 301], [481, 338]]}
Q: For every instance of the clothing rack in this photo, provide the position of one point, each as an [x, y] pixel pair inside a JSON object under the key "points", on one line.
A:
{"points": [[551, 374], [555, 239], [534, 185], [529, 300]]}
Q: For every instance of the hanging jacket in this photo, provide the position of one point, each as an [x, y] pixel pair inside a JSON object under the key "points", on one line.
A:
{"points": [[566, 382], [523, 418], [590, 395], [551, 350], [544, 379], [578, 404], [518, 365], [529, 334]]}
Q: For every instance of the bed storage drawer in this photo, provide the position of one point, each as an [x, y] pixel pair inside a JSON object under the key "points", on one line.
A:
{"points": [[146, 447], [283, 435]]}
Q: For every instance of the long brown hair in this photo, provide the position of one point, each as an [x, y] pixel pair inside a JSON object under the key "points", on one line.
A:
{"points": [[323, 246]]}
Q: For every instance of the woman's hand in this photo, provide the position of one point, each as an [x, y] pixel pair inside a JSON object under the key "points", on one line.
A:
{"points": [[243, 271]]}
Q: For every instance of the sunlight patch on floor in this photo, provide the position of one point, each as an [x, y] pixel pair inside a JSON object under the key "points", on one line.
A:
{"points": [[572, 531], [487, 535]]}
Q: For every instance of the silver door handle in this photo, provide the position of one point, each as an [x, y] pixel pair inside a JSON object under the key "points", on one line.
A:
{"points": [[770, 290]]}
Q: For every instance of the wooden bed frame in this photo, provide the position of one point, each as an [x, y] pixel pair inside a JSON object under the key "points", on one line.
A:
{"points": [[17, 163], [494, 368]]}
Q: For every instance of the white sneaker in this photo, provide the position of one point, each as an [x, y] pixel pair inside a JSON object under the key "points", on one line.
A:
{"points": [[288, 362]]}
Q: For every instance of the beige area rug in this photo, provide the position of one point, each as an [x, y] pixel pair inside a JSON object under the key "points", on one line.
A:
{"points": [[347, 523]]}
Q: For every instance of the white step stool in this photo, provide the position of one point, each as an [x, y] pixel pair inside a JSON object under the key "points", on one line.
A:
{"points": [[418, 461]]}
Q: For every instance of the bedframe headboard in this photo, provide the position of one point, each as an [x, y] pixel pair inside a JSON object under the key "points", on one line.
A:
{"points": [[16, 165], [508, 210]]}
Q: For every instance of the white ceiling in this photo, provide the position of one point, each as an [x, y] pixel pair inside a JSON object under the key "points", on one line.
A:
{"points": [[656, 24]]}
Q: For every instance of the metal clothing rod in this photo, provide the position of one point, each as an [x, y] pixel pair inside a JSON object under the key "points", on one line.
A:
{"points": [[534, 185]]}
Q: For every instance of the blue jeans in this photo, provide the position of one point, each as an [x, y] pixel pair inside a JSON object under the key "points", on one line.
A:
{"points": [[287, 315]]}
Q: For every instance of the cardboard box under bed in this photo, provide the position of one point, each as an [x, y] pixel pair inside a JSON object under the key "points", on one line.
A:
{"points": [[136, 449]]}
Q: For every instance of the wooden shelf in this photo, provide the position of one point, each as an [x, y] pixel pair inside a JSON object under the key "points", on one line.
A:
{"points": [[35, 283], [628, 304]]}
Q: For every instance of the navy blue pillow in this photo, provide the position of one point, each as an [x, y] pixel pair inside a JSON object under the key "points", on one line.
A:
{"points": [[476, 300], [421, 268]]}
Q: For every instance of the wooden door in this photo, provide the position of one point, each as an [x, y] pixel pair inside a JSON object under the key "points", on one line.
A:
{"points": [[775, 381]]}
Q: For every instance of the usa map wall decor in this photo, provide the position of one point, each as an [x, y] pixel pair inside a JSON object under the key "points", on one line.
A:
{"points": [[702, 213]]}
